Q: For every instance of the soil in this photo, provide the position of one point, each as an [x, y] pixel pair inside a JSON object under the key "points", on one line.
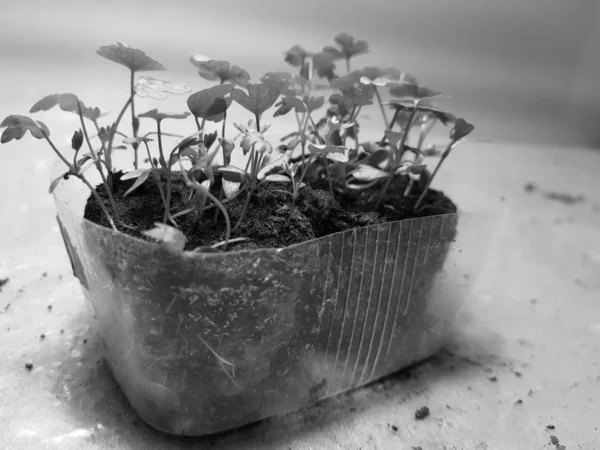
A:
{"points": [[271, 220], [3, 281], [422, 413]]}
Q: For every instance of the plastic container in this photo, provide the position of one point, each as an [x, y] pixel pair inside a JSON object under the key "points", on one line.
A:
{"points": [[205, 343]]}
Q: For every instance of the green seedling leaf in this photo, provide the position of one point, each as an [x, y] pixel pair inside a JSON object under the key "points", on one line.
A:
{"points": [[288, 103], [393, 137], [159, 116], [411, 91], [338, 157], [140, 174], [201, 196], [296, 56], [314, 103], [136, 140], [211, 103], [324, 65], [209, 139], [228, 146], [171, 238], [461, 129], [351, 47], [67, 102], [17, 126], [381, 159], [222, 71], [368, 173], [410, 168], [284, 80], [189, 152], [159, 89], [191, 140], [379, 77], [278, 178], [322, 149], [232, 173], [348, 81], [77, 140], [260, 97], [132, 58]]}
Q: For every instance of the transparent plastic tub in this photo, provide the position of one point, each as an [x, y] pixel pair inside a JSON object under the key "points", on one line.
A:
{"points": [[206, 343]]}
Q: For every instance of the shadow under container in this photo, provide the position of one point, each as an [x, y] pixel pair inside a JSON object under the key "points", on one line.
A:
{"points": [[205, 343]]}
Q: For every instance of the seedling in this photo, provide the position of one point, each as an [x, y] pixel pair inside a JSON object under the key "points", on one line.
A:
{"points": [[461, 129], [318, 146]]}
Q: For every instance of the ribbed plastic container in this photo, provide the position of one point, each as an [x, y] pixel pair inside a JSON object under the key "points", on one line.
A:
{"points": [[205, 343]]}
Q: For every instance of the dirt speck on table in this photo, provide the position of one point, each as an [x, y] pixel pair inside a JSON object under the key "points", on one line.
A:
{"points": [[29, 366], [422, 413]]}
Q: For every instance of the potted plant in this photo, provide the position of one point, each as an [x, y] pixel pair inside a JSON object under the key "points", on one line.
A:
{"points": [[234, 278]]}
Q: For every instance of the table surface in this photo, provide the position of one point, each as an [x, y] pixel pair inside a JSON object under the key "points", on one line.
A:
{"points": [[524, 355]]}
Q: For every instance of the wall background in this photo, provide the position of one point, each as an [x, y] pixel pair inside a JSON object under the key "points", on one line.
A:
{"points": [[523, 70]]}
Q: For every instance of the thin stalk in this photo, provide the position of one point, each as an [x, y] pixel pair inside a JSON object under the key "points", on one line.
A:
{"points": [[134, 120], [225, 214], [257, 122], [329, 178], [165, 164], [226, 161], [63, 159], [159, 183], [380, 101], [408, 189], [391, 125], [437, 167], [386, 186], [347, 65], [407, 130], [113, 132], [253, 159], [82, 178], [97, 161], [99, 200]]}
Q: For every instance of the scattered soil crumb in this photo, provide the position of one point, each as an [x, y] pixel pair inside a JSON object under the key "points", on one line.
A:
{"points": [[45, 274], [561, 447], [352, 409], [3, 281], [394, 427], [519, 402], [417, 448], [62, 331], [534, 301], [42, 336], [554, 440], [530, 187], [567, 199], [49, 307], [550, 427], [29, 366], [7, 306], [422, 413], [518, 374], [85, 341], [493, 379]]}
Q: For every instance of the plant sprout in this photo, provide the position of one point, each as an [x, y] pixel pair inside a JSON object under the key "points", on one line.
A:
{"points": [[461, 129], [315, 151]]}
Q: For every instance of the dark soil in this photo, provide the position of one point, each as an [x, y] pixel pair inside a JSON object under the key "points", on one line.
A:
{"points": [[271, 220], [422, 413], [3, 281], [29, 366]]}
